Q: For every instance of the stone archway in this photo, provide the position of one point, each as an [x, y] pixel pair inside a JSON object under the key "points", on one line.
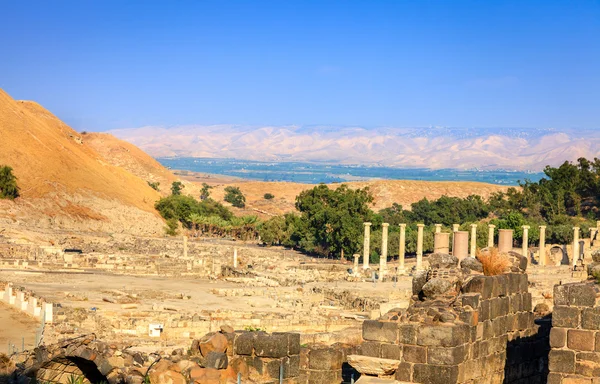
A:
{"points": [[69, 370]]}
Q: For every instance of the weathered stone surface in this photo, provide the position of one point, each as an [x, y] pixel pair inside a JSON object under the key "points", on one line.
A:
{"points": [[590, 318], [217, 360], [471, 264], [580, 340], [437, 287], [375, 330], [372, 365], [442, 260], [414, 354], [565, 317], [561, 361], [273, 345], [444, 335], [213, 343], [558, 337], [325, 359], [435, 374], [418, 281], [244, 343]]}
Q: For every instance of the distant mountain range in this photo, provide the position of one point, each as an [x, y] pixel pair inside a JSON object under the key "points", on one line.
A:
{"points": [[435, 147]]}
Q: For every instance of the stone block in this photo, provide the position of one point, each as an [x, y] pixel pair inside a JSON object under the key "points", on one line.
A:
{"points": [[447, 355], [293, 343], [414, 354], [407, 334], [513, 282], [582, 295], [561, 295], [558, 337], [435, 374], [216, 360], [485, 310], [580, 340], [370, 348], [526, 302], [444, 335], [325, 359], [391, 351], [386, 331], [515, 303], [561, 361], [404, 372], [565, 317], [590, 318], [323, 377], [470, 299], [523, 282], [586, 368], [274, 345], [500, 286], [244, 343]]}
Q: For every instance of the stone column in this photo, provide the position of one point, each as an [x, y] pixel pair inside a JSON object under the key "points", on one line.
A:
{"points": [[355, 270], [491, 235], [402, 249], [593, 232], [184, 247], [438, 228], [473, 240], [575, 245], [367, 245], [505, 237], [384, 249], [48, 313], [525, 245], [235, 260], [441, 242], [542, 252], [455, 228], [420, 246], [460, 248]]}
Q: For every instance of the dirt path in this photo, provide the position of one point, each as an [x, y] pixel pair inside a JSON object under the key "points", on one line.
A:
{"points": [[16, 327]]}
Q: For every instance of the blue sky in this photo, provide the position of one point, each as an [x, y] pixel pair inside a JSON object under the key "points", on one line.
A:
{"points": [[118, 64]]}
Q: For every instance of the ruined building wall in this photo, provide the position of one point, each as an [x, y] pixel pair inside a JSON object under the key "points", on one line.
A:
{"points": [[462, 327], [575, 335]]}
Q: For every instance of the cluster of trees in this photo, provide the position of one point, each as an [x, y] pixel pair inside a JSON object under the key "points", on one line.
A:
{"points": [[329, 222], [8, 183]]}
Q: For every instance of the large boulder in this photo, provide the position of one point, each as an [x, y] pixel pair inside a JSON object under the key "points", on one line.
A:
{"points": [[438, 287], [418, 281], [471, 264], [216, 360], [216, 342], [442, 260]]}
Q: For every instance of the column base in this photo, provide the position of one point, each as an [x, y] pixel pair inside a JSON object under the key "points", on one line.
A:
{"points": [[401, 271]]}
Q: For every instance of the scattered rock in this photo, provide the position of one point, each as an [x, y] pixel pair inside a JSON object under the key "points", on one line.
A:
{"points": [[217, 360], [227, 329], [216, 342], [471, 264], [373, 365], [436, 287], [419, 280], [442, 260]]}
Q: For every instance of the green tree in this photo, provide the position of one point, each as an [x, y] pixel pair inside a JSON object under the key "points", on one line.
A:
{"points": [[8, 183], [334, 218], [176, 188], [275, 231], [205, 191], [235, 197]]}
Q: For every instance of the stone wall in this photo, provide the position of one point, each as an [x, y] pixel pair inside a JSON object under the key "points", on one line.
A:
{"points": [[575, 335], [461, 327]]}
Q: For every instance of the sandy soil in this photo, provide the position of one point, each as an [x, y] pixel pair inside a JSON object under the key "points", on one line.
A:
{"points": [[16, 327]]}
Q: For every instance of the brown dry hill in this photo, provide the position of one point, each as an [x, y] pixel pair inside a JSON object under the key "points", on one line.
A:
{"points": [[129, 157], [385, 193], [64, 182]]}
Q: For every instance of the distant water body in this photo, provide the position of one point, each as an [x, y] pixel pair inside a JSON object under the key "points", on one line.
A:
{"points": [[315, 173]]}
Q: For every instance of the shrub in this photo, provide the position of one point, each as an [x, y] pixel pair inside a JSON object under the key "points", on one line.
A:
{"points": [[269, 196], [154, 185], [176, 188], [8, 183], [494, 263], [205, 191], [172, 226], [235, 197]]}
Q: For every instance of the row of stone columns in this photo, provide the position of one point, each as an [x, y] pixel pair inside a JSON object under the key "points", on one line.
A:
{"points": [[460, 243]]}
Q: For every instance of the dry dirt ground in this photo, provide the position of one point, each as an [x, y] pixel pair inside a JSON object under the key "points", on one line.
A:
{"points": [[16, 328]]}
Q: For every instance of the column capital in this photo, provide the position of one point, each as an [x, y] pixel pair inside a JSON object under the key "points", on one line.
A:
{"points": [[491, 226], [420, 225], [576, 228], [437, 225], [525, 227], [473, 225], [402, 225], [367, 224], [542, 227], [385, 225]]}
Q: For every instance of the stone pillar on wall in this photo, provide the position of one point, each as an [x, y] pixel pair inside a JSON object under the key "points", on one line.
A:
{"points": [[355, 271], [420, 246], [366, 245], [491, 235], [441, 242], [438, 228], [384, 250], [575, 246], [542, 252], [235, 257], [473, 251], [593, 233], [402, 249], [460, 246], [185, 247], [525, 245], [455, 228], [505, 238]]}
